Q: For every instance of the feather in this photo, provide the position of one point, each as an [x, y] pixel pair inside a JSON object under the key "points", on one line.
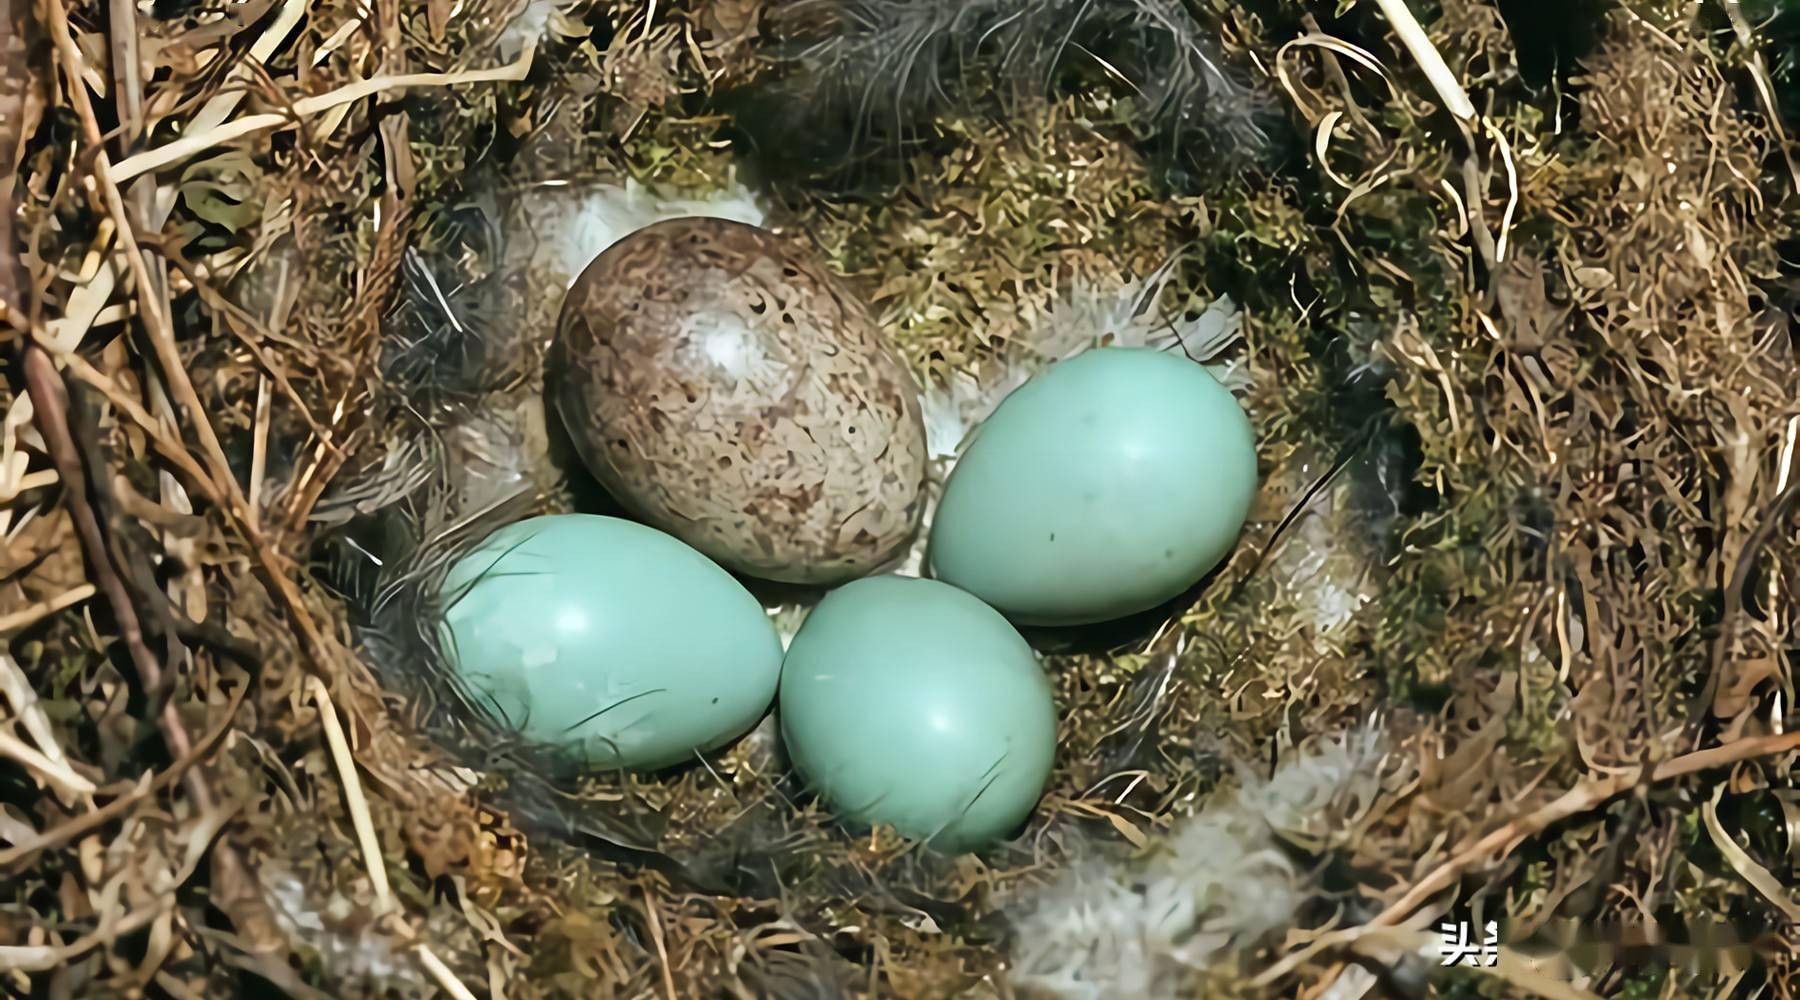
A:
{"points": [[886, 68], [346, 955], [555, 230], [526, 29], [1107, 927]]}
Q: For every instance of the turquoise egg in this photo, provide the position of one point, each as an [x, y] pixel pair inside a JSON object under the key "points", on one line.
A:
{"points": [[910, 703], [1103, 487], [609, 641]]}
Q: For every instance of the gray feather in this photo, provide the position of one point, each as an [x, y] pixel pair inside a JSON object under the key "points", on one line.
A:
{"points": [[890, 66]]}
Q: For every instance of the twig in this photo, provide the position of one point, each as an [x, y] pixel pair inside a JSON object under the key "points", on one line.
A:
{"points": [[1578, 800], [305, 490], [270, 566], [353, 794], [14, 281], [156, 321], [38, 958], [446, 979], [1437, 72], [1765, 89], [27, 617], [58, 774], [141, 197], [1760, 536], [1575, 801], [157, 432], [147, 786], [235, 319], [50, 404], [188, 145], [88, 299], [656, 938], [49, 400]]}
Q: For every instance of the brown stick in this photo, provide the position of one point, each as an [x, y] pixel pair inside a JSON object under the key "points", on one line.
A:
{"points": [[49, 397], [1583, 797], [156, 321], [50, 400], [1731, 619], [271, 566], [24, 851], [14, 282], [1578, 800]]}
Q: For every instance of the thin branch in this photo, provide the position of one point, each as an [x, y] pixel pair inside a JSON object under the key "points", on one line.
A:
{"points": [[199, 141], [1437, 72], [271, 567], [1765, 87], [353, 794], [24, 618], [441, 973], [50, 401], [33, 760], [1582, 798], [39, 958], [24, 851], [1730, 619], [14, 281]]}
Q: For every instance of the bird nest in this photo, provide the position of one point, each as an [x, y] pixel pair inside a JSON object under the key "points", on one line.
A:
{"points": [[1508, 642]]}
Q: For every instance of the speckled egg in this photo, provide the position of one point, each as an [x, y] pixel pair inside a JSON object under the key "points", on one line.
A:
{"points": [[726, 388], [608, 641], [1103, 487], [910, 703]]}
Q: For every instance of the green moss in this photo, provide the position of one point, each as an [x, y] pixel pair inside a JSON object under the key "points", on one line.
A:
{"points": [[1644, 984]]}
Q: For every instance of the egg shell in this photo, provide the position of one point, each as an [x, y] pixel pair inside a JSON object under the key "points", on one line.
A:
{"points": [[724, 387], [1102, 487], [908, 702], [609, 640]]}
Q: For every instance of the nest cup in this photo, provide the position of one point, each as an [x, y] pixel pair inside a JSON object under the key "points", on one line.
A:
{"points": [[455, 354], [462, 352]]}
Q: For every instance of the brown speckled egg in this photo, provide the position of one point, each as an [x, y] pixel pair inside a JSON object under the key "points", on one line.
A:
{"points": [[730, 391]]}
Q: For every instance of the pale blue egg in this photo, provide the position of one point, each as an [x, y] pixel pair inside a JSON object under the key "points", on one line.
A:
{"points": [[614, 643], [1103, 487], [910, 703]]}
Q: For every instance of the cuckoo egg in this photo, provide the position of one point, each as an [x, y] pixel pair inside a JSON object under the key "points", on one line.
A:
{"points": [[608, 641], [726, 388], [1104, 486], [910, 703]]}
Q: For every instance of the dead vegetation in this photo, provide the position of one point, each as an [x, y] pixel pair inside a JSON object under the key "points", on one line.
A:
{"points": [[1526, 403]]}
